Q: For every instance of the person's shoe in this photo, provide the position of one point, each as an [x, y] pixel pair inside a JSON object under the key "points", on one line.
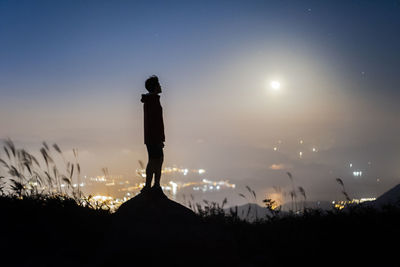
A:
{"points": [[145, 189], [157, 189]]}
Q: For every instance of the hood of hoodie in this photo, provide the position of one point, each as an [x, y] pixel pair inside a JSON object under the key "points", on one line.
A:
{"points": [[149, 98]]}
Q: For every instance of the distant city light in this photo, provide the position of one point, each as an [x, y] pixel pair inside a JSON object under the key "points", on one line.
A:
{"points": [[341, 204], [174, 187], [367, 199], [101, 198]]}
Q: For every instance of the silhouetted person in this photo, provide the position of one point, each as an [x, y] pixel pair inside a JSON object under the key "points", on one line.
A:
{"points": [[154, 137]]}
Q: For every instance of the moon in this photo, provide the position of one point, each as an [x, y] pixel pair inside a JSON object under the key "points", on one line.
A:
{"points": [[276, 85]]}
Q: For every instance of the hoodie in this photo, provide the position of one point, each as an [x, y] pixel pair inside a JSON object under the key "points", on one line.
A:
{"points": [[153, 119]]}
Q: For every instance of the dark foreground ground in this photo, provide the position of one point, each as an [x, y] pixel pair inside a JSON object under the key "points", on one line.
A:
{"points": [[154, 231]]}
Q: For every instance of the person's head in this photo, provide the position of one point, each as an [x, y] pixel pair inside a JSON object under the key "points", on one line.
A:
{"points": [[153, 85]]}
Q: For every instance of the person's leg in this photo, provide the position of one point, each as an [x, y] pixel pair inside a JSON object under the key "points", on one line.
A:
{"points": [[149, 172], [150, 165], [158, 164], [157, 171]]}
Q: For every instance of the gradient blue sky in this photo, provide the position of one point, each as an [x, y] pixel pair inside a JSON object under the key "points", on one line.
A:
{"points": [[72, 72]]}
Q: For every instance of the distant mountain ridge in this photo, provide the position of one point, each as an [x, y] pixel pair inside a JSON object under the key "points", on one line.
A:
{"points": [[253, 211], [390, 197]]}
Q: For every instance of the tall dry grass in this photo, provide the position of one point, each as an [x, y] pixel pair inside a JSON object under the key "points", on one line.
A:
{"points": [[49, 175]]}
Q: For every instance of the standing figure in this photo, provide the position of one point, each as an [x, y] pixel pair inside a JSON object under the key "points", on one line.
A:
{"points": [[154, 137]]}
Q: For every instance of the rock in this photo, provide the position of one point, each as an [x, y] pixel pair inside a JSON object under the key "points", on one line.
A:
{"points": [[156, 228], [155, 207], [151, 217]]}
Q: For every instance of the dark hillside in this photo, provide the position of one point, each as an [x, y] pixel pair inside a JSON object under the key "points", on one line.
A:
{"points": [[49, 231], [151, 229]]}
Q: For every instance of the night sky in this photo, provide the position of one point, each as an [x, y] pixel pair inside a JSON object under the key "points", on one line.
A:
{"points": [[72, 72]]}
